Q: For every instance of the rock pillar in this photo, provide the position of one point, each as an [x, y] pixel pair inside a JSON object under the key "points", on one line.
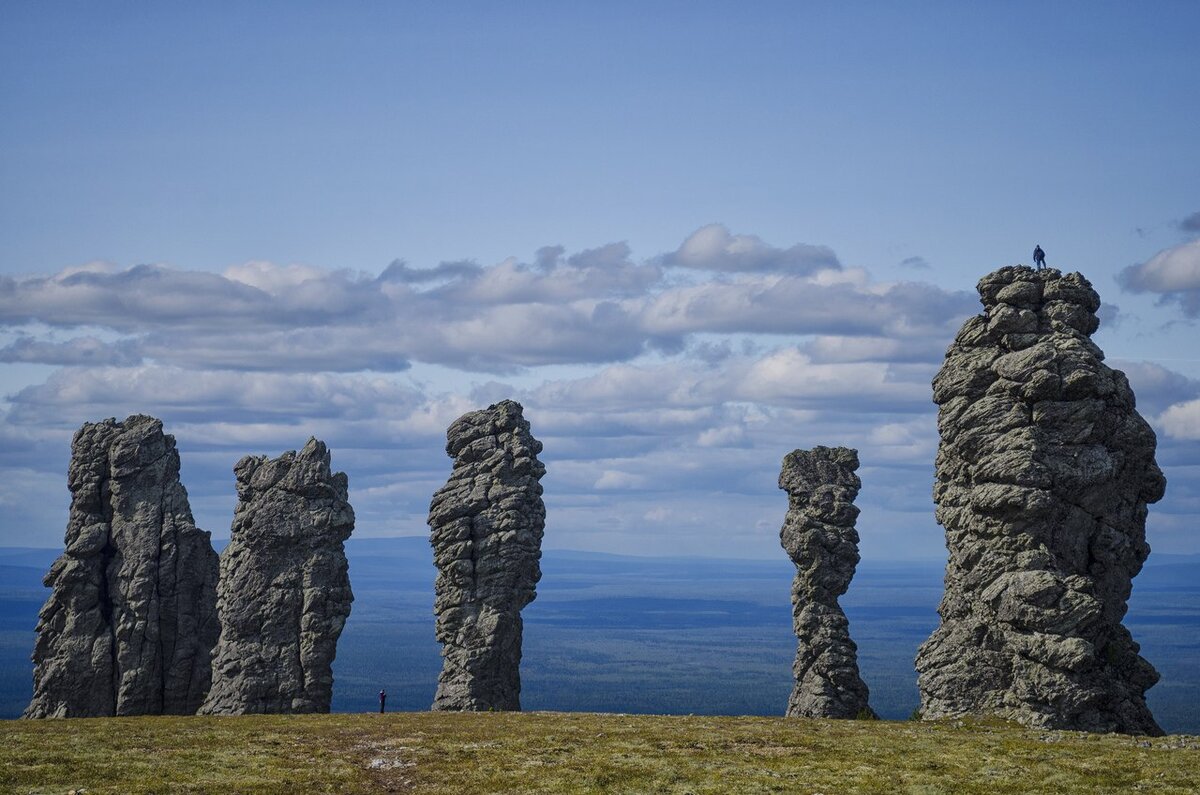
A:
{"points": [[819, 536], [285, 592], [486, 528], [1044, 472], [131, 622]]}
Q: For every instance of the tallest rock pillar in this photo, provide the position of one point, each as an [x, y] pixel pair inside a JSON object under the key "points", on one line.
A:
{"points": [[1044, 472]]}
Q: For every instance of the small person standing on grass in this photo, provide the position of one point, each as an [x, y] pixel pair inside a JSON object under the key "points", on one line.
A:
{"points": [[382, 701]]}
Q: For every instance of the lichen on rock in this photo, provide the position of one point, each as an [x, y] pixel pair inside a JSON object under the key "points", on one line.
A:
{"points": [[131, 621], [284, 594], [486, 528], [820, 538], [1044, 472]]}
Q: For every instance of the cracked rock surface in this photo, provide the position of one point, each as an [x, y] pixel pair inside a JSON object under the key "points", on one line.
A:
{"points": [[819, 536], [486, 528], [1044, 472], [285, 592], [131, 621]]}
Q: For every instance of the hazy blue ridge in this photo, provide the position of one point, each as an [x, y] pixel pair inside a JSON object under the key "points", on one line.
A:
{"points": [[616, 633]]}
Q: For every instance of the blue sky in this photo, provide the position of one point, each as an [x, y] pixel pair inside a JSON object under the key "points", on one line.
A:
{"points": [[689, 237]]}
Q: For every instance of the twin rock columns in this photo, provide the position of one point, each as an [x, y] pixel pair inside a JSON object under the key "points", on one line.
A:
{"points": [[1043, 475], [143, 620]]}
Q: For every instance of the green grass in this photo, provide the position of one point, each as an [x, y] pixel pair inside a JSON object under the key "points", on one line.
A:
{"points": [[577, 752]]}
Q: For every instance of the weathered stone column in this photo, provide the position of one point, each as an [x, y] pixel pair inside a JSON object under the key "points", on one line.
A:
{"points": [[131, 622], [1044, 472], [285, 592], [486, 528], [819, 536]]}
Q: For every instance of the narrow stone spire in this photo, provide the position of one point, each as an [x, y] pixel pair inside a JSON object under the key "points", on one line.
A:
{"points": [[486, 528], [819, 536]]}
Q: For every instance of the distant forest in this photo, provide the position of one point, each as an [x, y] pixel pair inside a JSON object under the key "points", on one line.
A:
{"points": [[614, 633]]}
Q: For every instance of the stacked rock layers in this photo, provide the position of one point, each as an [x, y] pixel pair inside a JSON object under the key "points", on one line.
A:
{"points": [[284, 593], [131, 622], [486, 528], [1044, 472], [819, 536]]}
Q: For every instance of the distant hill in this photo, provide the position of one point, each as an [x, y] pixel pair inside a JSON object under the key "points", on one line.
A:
{"points": [[613, 633]]}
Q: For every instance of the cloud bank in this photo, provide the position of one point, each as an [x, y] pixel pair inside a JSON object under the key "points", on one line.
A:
{"points": [[666, 389], [595, 306], [1173, 274]]}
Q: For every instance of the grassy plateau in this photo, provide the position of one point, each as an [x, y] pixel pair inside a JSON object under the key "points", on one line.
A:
{"points": [[578, 752]]}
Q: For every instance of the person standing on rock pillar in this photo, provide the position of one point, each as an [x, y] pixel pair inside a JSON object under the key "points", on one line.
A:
{"points": [[1039, 257], [382, 701]]}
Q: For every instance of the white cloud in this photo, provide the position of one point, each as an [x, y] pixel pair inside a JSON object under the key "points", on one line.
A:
{"points": [[1174, 269], [304, 349], [1155, 386], [144, 296], [713, 248], [501, 337], [611, 479], [605, 272], [841, 348], [274, 279], [790, 377], [75, 395], [594, 306], [75, 351], [1173, 273], [903, 442], [840, 304], [724, 436], [624, 386], [1182, 421]]}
